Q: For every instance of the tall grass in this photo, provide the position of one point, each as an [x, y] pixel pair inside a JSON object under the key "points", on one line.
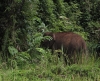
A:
{"points": [[52, 68]]}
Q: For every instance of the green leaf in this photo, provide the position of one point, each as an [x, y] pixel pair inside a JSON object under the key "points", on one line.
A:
{"points": [[12, 50], [41, 50]]}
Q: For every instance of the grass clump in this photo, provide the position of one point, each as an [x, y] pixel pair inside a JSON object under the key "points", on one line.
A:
{"points": [[52, 68]]}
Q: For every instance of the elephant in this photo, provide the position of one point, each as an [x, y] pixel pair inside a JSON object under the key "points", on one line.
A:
{"points": [[71, 43]]}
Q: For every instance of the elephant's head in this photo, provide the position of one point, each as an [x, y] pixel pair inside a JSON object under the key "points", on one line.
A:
{"points": [[48, 41]]}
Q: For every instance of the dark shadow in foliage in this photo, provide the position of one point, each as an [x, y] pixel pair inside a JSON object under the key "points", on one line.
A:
{"points": [[98, 50]]}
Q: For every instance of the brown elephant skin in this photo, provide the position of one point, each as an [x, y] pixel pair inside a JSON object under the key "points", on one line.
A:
{"points": [[70, 42]]}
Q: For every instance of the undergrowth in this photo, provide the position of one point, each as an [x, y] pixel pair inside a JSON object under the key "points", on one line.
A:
{"points": [[52, 68]]}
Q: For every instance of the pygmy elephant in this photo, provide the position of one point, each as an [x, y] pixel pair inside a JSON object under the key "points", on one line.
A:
{"points": [[71, 43]]}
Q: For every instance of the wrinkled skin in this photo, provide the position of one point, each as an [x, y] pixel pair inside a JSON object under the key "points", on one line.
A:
{"points": [[70, 42]]}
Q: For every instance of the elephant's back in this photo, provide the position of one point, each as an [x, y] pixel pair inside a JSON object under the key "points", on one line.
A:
{"points": [[70, 40]]}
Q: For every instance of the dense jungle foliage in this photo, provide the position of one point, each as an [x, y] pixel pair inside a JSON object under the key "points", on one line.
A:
{"points": [[22, 24]]}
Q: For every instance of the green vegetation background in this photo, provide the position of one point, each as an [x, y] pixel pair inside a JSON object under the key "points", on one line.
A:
{"points": [[22, 24]]}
